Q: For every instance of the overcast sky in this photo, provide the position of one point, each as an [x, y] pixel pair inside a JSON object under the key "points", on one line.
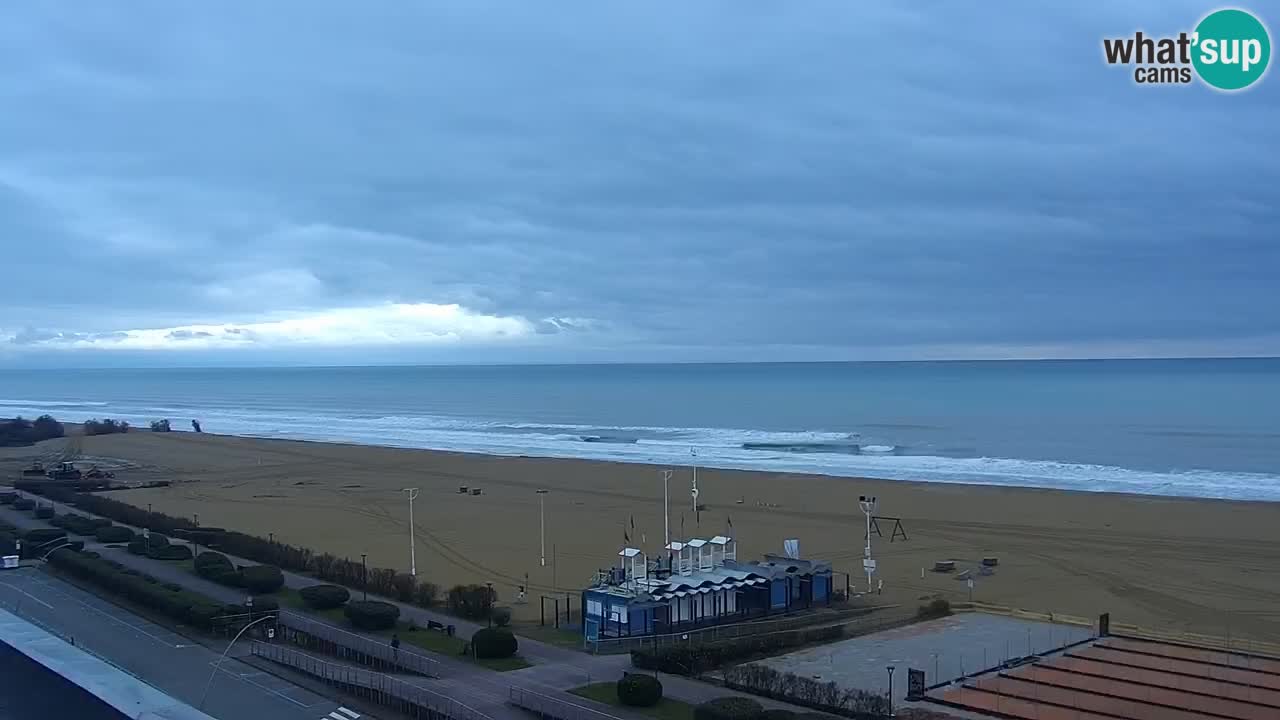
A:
{"points": [[343, 182]]}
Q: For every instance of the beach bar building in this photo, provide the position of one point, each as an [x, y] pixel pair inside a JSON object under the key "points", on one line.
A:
{"points": [[698, 583]]}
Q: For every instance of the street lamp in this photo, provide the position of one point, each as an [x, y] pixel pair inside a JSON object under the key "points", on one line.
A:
{"points": [[413, 560], [542, 524], [223, 656], [364, 574], [890, 693]]}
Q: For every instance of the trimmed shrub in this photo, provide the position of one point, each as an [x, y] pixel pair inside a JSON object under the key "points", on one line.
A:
{"points": [[372, 615], [8, 498], [262, 578], [24, 504], [137, 547], [501, 616], [40, 536], [114, 534], [170, 552], [324, 597], [265, 605], [728, 708], [171, 586], [209, 563], [44, 512], [493, 643], [640, 690], [938, 607]]}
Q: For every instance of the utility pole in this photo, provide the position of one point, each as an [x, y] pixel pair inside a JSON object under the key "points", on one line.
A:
{"points": [[364, 574], [413, 560], [542, 525]]}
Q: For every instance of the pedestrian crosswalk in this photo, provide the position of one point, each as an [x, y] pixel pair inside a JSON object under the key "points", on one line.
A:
{"points": [[342, 714]]}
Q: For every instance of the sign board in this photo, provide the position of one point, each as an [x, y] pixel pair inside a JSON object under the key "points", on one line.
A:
{"points": [[869, 565], [10, 562], [970, 583], [915, 684]]}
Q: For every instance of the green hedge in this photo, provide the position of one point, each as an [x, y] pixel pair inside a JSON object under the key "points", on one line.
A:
{"points": [[324, 597], [262, 578], [39, 536], [113, 534], [372, 614], [639, 690], [494, 643], [8, 498], [170, 552], [44, 512], [24, 504], [696, 659], [183, 606]]}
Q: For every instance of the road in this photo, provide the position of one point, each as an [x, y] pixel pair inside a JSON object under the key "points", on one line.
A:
{"points": [[163, 659]]}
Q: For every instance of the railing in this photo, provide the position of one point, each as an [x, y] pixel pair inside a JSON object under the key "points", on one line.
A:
{"points": [[715, 633], [546, 706], [376, 653], [413, 700]]}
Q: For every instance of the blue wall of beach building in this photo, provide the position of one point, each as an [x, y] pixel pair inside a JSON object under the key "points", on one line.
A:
{"points": [[778, 594], [607, 614], [30, 690]]}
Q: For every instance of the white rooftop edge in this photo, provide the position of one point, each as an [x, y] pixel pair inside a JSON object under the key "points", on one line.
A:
{"points": [[122, 691]]}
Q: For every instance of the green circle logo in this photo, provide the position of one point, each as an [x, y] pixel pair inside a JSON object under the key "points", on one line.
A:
{"points": [[1232, 49]]}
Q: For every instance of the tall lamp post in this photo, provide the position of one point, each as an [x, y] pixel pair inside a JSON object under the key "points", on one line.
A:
{"points": [[364, 574], [413, 560], [542, 524], [890, 693]]}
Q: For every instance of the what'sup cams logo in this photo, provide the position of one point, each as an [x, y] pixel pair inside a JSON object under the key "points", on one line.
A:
{"points": [[1229, 50]]}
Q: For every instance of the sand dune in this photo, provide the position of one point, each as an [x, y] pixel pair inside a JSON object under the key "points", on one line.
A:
{"points": [[1200, 565]]}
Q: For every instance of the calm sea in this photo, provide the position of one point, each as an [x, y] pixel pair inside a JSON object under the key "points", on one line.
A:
{"points": [[1207, 428]]}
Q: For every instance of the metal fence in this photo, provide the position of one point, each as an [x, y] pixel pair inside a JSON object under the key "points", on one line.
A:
{"points": [[546, 706], [852, 620], [412, 700], [1001, 648], [331, 640]]}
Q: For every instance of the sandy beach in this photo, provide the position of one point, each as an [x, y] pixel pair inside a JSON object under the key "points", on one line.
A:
{"points": [[1197, 565]]}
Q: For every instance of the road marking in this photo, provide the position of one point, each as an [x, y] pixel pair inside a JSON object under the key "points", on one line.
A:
{"points": [[349, 713], [104, 613], [262, 687], [24, 592]]}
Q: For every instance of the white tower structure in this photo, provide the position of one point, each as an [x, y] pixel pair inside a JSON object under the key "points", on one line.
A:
{"points": [[868, 505]]}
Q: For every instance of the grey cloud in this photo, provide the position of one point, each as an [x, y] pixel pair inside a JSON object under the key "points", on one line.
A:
{"points": [[835, 178]]}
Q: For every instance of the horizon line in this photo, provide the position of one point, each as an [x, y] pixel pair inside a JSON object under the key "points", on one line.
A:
{"points": [[590, 363]]}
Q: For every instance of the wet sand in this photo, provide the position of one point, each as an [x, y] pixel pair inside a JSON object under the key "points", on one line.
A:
{"points": [[1206, 566]]}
